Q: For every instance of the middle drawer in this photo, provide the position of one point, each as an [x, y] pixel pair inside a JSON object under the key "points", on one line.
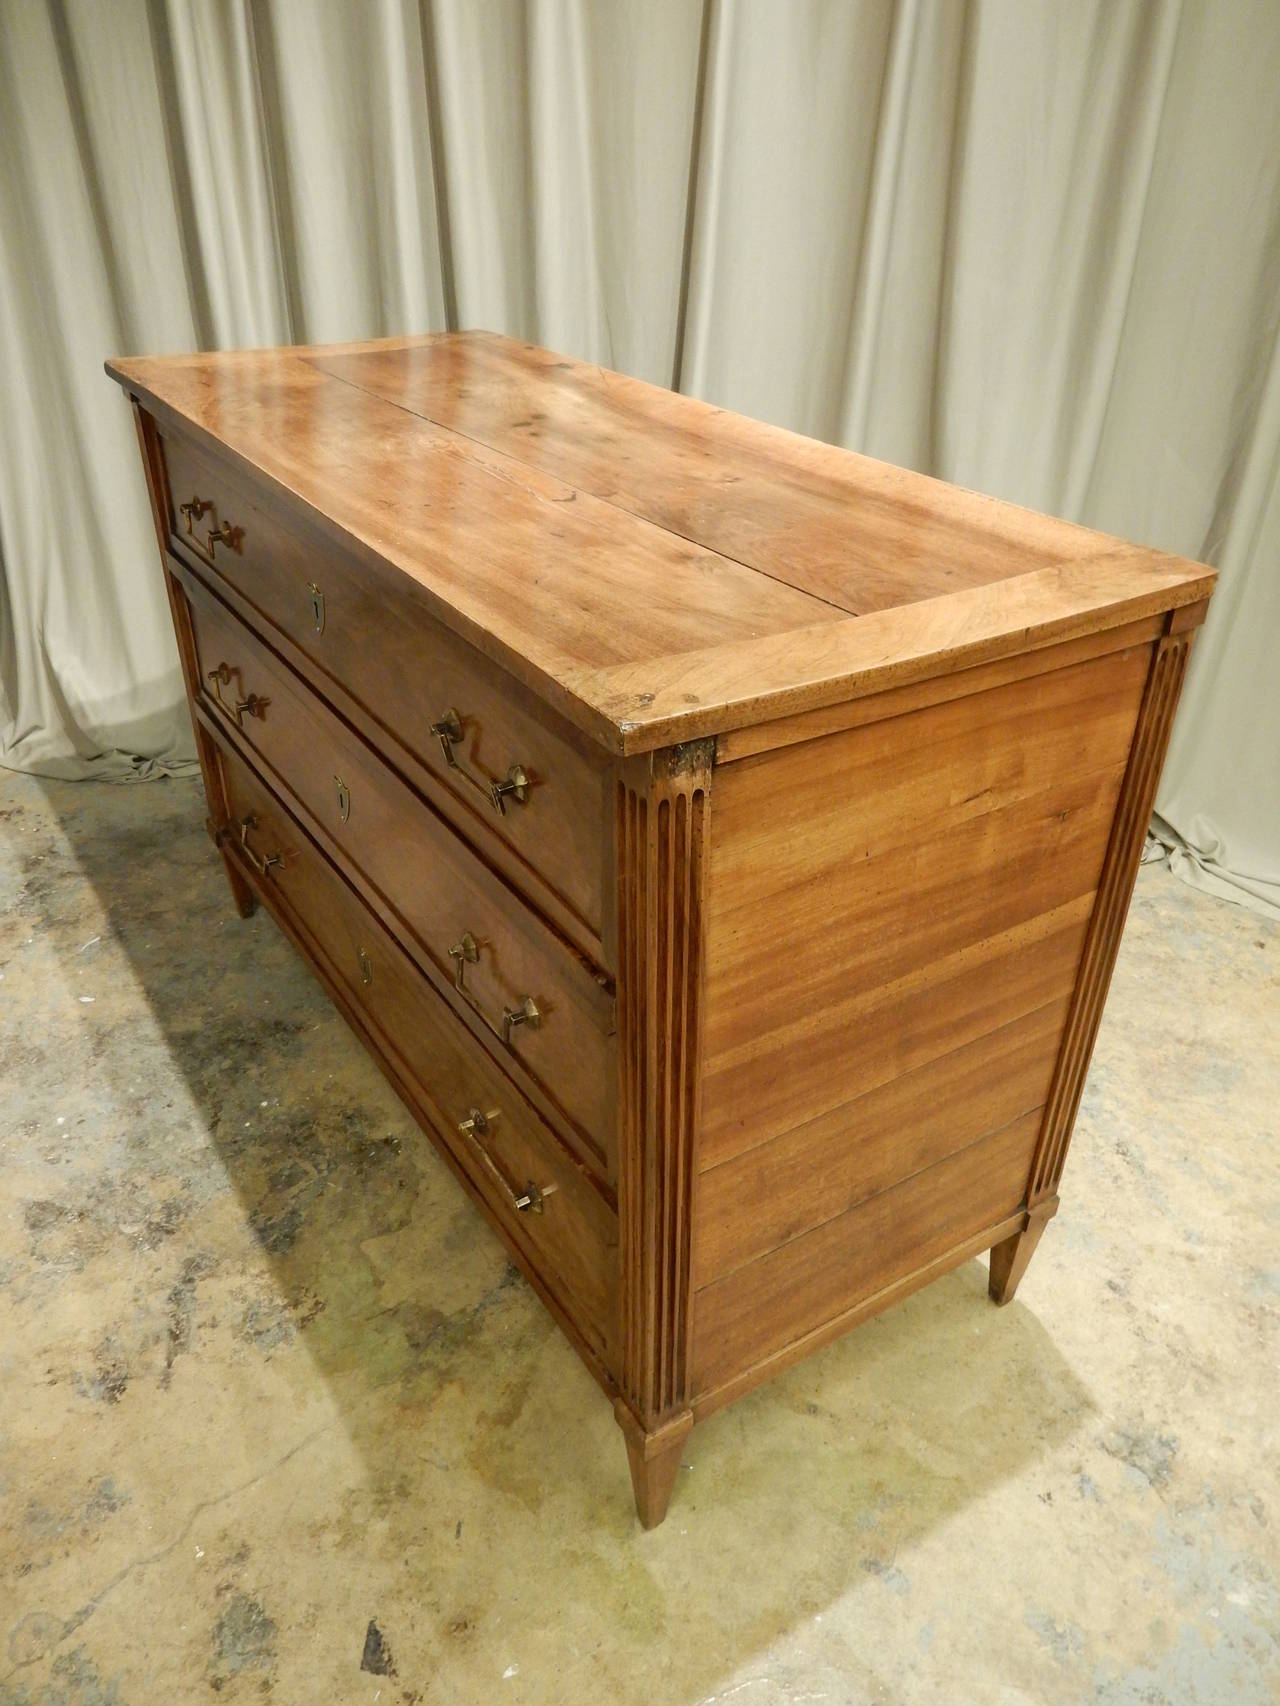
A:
{"points": [[539, 1007]]}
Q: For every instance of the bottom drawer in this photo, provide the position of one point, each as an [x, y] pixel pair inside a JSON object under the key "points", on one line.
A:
{"points": [[534, 1190]]}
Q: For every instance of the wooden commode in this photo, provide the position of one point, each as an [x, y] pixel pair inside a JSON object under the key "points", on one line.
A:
{"points": [[721, 840]]}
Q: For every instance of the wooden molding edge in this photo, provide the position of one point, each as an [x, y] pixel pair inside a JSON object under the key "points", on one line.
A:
{"points": [[634, 708], [719, 688], [1115, 889], [755, 738], [663, 807]]}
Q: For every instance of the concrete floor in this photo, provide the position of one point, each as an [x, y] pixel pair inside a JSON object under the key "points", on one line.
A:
{"points": [[277, 1419]]}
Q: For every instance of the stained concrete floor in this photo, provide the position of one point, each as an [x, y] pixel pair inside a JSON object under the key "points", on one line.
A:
{"points": [[278, 1420]]}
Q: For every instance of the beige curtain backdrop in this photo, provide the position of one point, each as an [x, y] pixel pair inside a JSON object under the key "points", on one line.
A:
{"points": [[1029, 245]]}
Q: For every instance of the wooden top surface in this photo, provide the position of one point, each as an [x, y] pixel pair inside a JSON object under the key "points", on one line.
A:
{"points": [[656, 568]]}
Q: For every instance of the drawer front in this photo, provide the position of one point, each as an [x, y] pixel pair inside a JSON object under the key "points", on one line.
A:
{"points": [[467, 722], [532, 1186], [542, 1008]]}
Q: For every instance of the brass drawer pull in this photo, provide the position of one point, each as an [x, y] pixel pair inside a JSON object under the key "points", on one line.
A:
{"points": [[448, 731], [260, 863], [227, 534], [366, 966], [317, 606], [516, 786], [255, 705], [525, 1014], [466, 953], [477, 1125], [191, 512]]}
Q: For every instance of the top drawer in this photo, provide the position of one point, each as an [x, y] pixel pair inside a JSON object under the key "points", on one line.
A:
{"points": [[521, 772]]}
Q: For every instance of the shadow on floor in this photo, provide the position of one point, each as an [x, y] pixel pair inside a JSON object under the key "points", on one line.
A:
{"points": [[295, 1220]]}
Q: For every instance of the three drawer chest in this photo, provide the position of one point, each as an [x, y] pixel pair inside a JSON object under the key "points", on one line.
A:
{"points": [[721, 840]]}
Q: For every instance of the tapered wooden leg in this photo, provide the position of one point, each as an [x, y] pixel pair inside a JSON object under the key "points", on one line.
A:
{"points": [[1009, 1260], [654, 1459]]}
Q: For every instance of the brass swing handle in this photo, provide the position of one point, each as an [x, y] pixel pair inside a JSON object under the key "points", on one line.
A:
{"points": [[466, 953], [227, 534], [448, 731], [260, 862], [530, 1199], [255, 704]]}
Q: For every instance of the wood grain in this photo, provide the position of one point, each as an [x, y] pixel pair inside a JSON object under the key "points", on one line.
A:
{"points": [[932, 774], [632, 621], [380, 646], [856, 532], [871, 892], [880, 1032], [841, 932], [756, 738], [426, 883], [1151, 739], [572, 1243], [544, 579], [723, 688], [662, 830], [706, 1403], [210, 773], [797, 1055], [763, 1197], [755, 1311]]}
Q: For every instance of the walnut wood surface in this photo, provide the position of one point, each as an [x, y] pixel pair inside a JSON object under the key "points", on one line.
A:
{"points": [[572, 1243], [804, 1344], [662, 831], [1010, 1257], [896, 911], [851, 531], [1151, 739], [656, 569], [884, 896], [380, 646], [428, 880], [744, 1317], [653, 1458], [799, 1054], [765, 1196], [210, 773], [934, 690]]}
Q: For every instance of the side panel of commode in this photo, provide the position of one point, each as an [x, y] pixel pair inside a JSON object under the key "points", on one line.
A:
{"points": [[898, 922]]}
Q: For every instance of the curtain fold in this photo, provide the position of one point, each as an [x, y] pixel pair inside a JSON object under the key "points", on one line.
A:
{"points": [[1028, 246]]}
